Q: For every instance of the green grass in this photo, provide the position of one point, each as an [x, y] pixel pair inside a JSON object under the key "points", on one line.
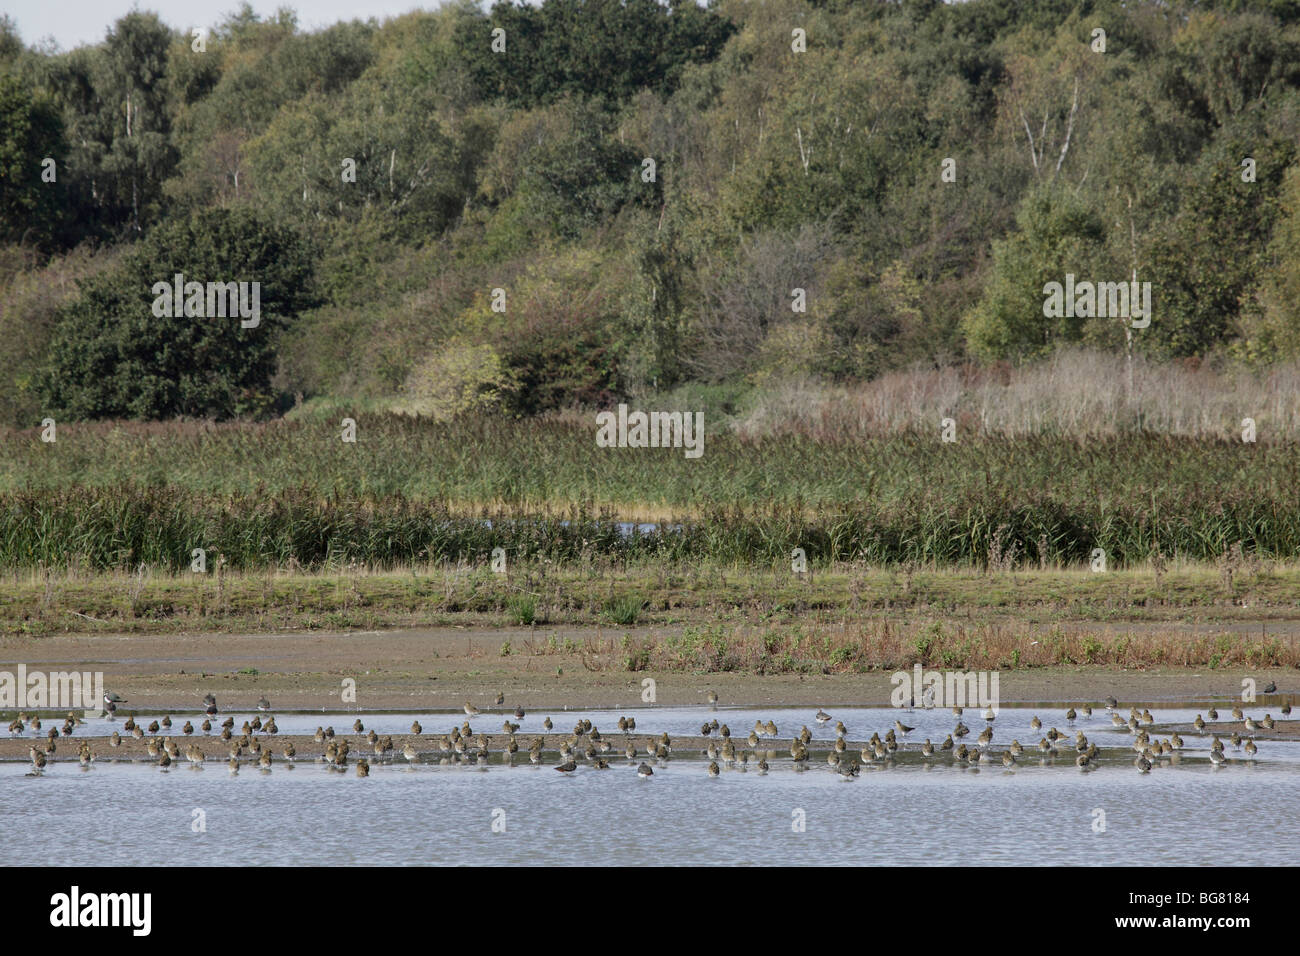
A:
{"points": [[522, 609], [714, 618], [624, 609], [290, 494], [45, 601]]}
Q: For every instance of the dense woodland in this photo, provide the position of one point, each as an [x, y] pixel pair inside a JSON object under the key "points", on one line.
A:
{"points": [[774, 169]]}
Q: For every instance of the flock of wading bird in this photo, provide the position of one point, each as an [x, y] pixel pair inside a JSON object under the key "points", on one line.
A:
{"points": [[585, 746]]}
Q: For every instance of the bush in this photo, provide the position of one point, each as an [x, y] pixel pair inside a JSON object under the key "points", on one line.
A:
{"points": [[30, 304], [564, 350], [522, 609], [455, 379], [111, 357], [624, 610], [580, 178]]}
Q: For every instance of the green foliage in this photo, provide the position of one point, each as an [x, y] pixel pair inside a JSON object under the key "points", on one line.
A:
{"points": [[624, 609], [1226, 63], [1206, 261], [1271, 325], [874, 324], [564, 358], [456, 379], [558, 340], [123, 149], [376, 146], [1056, 234], [33, 298], [582, 178], [607, 48], [522, 609], [111, 356], [659, 303], [31, 129], [774, 170]]}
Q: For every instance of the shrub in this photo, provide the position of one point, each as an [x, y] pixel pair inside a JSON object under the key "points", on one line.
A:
{"points": [[625, 609], [522, 609], [111, 357], [457, 378]]}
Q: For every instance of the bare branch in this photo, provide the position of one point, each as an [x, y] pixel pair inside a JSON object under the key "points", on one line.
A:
{"points": [[1033, 156], [1069, 129]]}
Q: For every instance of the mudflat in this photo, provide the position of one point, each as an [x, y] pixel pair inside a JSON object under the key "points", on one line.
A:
{"points": [[580, 667]]}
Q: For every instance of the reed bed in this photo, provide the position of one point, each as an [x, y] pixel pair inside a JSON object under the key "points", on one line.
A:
{"points": [[1077, 392], [291, 493], [122, 527]]}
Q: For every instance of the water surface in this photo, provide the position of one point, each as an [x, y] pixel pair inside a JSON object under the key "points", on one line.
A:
{"points": [[915, 812]]}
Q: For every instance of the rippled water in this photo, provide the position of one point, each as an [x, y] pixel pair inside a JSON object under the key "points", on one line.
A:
{"points": [[915, 812]]}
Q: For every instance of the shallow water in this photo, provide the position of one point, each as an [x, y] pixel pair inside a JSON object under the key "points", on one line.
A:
{"points": [[916, 812]]}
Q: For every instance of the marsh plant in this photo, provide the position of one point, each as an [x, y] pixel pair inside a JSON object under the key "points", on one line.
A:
{"points": [[521, 609], [651, 430], [625, 609], [117, 495]]}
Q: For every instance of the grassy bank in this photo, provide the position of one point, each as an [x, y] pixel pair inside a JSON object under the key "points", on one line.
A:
{"points": [[291, 494], [720, 618]]}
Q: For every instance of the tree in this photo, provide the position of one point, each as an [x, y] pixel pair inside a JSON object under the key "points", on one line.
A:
{"points": [[1224, 64], [112, 357], [31, 208], [1207, 261], [1271, 322], [754, 294], [604, 48], [581, 177], [664, 267], [1056, 234], [399, 160], [133, 87]]}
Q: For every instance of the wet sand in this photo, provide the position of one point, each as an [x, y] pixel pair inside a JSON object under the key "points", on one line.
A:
{"points": [[428, 670]]}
